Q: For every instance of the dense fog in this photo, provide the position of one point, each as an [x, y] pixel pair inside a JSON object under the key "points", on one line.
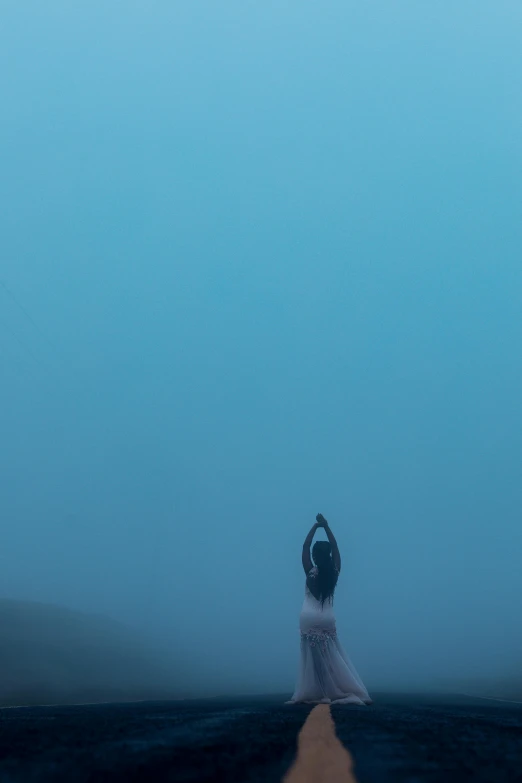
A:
{"points": [[260, 261]]}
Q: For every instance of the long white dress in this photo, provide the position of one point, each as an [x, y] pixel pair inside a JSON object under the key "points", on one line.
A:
{"points": [[326, 674]]}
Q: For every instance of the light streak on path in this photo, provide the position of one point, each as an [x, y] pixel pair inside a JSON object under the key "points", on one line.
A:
{"points": [[321, 757]]}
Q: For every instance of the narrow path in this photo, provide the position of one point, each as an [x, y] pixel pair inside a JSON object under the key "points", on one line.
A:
{"points": [[321, 758]]}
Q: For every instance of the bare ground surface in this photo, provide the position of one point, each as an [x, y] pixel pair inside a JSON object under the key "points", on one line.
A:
{"points": [[400, 739]]}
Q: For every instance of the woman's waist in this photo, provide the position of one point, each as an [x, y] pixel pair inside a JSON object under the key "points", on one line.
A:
{"points": [[316, 617]]}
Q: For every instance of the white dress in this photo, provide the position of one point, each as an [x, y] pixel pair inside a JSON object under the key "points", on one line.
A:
{"points": [[326, 674]]}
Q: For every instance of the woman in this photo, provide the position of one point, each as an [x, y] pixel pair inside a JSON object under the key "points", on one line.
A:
{"points": [[326, 673]]}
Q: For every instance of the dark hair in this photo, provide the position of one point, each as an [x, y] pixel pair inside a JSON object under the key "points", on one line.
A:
{"points": [[325, 580]]}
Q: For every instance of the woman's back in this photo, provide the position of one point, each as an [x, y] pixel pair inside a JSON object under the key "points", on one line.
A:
{"points": [[321, 585], [316, 613]]}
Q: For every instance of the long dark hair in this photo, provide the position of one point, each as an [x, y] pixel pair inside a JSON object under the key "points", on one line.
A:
{"points": [[323, 584]]}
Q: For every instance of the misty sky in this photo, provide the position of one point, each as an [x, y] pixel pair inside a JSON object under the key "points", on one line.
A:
{"points": [[272, 255]]}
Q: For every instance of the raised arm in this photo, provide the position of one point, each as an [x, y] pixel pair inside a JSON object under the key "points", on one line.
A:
{"points": [[307, 560], [336, 555]]}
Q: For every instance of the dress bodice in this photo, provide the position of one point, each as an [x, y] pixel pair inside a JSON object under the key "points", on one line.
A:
{"points": [[315, 614]]}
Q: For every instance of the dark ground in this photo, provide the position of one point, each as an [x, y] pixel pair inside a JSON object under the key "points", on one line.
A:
{"points": [[405, 739]]}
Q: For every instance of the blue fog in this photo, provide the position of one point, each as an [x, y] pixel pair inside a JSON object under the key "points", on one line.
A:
{"points": [[268, 256]]}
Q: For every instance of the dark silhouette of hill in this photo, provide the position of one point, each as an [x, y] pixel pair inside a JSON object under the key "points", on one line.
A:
{"points": [[53, 655]]}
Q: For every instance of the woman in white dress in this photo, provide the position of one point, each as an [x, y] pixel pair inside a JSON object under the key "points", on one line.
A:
{"points": [[326, 674]]}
